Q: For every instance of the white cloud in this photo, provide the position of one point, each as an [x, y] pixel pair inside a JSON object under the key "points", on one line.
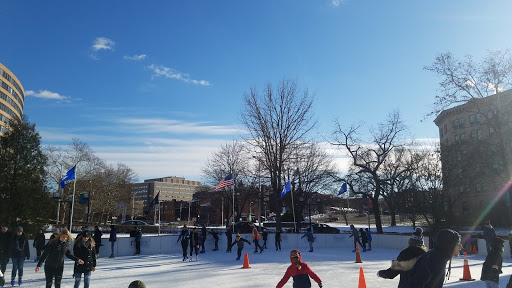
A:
{"points": [[166, 72], [155, 125], [336, 3], [135, 57], [102, 43], [45, 94]]}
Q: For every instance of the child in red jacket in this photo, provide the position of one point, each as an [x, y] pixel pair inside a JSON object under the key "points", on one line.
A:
{"points": [[300, 272]]}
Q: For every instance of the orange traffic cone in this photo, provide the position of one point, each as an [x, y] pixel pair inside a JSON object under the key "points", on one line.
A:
{"points": [[358, 255], [474, 250], [246, 261], [362, 282], [467, 274]]}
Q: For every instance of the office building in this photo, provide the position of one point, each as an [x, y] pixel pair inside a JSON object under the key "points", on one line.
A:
{"points": [[12, 97]]}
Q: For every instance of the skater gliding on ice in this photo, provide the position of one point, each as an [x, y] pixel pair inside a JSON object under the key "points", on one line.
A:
{"points": [[256, 238], [239, 241], [84, 249], [184, 237], [355, 234], [300, 272], [310, 238], [19, 250], [194, 243]]}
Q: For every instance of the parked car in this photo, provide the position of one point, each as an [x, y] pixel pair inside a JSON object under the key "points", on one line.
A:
{"points": [[321, 228], [134, 222], [243, 227], [332, 219]]}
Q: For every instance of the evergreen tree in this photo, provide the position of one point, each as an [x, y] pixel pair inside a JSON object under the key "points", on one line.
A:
{"points": [[24, 198]]}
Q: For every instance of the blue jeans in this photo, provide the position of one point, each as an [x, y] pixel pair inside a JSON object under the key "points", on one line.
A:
{"points": [[491, 284], [17, 265], [87, 278], [112, 247]]}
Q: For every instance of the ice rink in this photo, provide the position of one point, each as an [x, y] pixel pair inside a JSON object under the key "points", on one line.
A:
{"points": [[335, 267]]}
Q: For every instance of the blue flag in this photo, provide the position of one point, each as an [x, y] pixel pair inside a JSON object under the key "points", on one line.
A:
{"points": [[286, 189], [69, 176], [343, 189]]}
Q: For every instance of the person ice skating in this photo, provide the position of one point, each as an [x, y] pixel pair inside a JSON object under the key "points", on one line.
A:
{"points": [[489, 235], [184, 237], [84, 249], [138, 237], [278, 239], [355, 234], [491, 269], [204, 233], [430, 269], [194, 243], [369, 238], [255, 239], [39, 243], [97, 240], [406, 259], [112, 239], [364, 240], [53, 258], [467, 243], [310, 238], [5, 238], [215, 235], [229, 236], [137, 284], [300, 271], [19, 250], [239, 241], [264, 234]]}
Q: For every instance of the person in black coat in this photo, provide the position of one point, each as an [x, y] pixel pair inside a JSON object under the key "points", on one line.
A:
{"points": [[406, 259], [194, 243], [229, 236], [364, 240], [278, 240], [138, 237], [215, 235], [264, 234], [39, 243], [184, 237], [5, 238], [84, 249], [97, 240], [112, 239], [19, 250], [430, 269], [491, 269], [53, 258], [239, 241], [204, 233]]}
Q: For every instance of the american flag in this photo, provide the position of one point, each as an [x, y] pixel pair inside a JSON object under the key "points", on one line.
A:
{"points": [[227, 181]]}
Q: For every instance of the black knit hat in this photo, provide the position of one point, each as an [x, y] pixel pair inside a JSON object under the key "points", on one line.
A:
{"points": [[137, 284], [446, 240], [86, 234]]}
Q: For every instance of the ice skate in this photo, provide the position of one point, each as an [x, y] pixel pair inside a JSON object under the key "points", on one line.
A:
{"points": [[20, 281], [190, 260], [197, 257]]}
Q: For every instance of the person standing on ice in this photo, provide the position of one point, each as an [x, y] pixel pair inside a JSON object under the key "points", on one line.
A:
{"points": [[311, 239], [18, 251], [430, 269], [406, 259], [204, 233], [355, 234], [491, 269], [39, 243], [300, 272], [364, 240], [194, 243], [184, 237], [229, 236], [278, 239], [239, 241], [489, 235], [369, 237], [256, 238], [112, 239], [97, 240], [264, 234], [84, 249], [216, 238]]}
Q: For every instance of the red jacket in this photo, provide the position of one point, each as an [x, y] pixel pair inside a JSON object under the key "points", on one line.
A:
{"points": [[300, 276]]}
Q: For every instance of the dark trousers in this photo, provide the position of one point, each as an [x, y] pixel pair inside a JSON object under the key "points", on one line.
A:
{"points": [[39, 252], [3, 263], [17, 266], [355, 243], [193, 248], [265, 243], [184, 246], [202, 242], [97, 248], [216, 244], [257, 245], [230, 240], [239, 252], [278, 244], [137, 247], [49, 272]]}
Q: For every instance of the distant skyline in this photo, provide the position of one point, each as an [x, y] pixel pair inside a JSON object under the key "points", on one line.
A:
{"points": [[159, 86]]}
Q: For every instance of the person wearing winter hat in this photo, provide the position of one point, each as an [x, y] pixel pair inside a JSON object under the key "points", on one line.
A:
{"points": [[137, 284], [84, 249], [406, 259], [429, 270], [239, 241], [491, 269], [300, 272], [489, 235], [19, 250]]}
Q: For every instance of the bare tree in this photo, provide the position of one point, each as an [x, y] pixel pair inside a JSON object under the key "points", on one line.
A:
{"points": [[278, 121], [369, 158]]}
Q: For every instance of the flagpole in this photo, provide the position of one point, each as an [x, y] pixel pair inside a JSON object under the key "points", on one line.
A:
{"points": [[72, 202], [159, 217], [293, 210], [233, 216]]}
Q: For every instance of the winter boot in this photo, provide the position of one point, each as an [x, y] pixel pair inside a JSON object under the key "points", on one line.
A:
{"points": [[20, 281], [364, 249], [190, 260], [238, 258], [37, 259], [13, 283], [111, 255], [261, 251], [354, 250]]}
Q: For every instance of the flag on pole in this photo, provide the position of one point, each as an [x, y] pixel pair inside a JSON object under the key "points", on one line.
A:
{"points": [[343, 189], [286, 189], [153, 203], [227, 181], [69, 176]]}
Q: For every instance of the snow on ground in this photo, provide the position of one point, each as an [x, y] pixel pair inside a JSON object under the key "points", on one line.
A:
{"points": [[335, 267]]}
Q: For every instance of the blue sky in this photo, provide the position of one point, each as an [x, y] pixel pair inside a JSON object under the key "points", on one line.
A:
{"points": [[158, 85]]}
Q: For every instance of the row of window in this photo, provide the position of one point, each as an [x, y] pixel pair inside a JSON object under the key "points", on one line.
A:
{"points": [[475, 135], [8, 110], [11, 102], [3, 130], [13, 93], [179, 188], [13, 82], [164, 191]]}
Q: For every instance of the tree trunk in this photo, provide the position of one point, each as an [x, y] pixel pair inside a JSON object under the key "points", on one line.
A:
{"points": [[393, 220], [376, 214]]}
